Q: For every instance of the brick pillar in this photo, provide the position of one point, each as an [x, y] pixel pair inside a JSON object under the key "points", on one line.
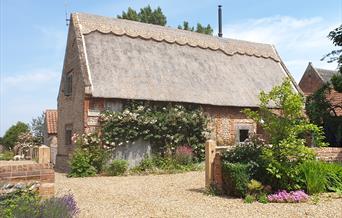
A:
{"points": [[217, 172], [210, 150], [44, 154]]}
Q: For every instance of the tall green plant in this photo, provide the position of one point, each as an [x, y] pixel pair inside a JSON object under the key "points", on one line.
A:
{"points": [[314, 176], [286, 127]]}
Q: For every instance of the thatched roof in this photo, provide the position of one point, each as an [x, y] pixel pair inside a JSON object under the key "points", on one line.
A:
{"points": [[132, 60]]}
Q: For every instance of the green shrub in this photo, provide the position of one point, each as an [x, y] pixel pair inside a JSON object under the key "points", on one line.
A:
{"points": [[255, 187], [80, 164], [281, 163], [21, 203], [91, 143], [262, 198], [117, 167], [6, 155], [99, 158], [249, 199], [333, 173], [235, 178], [248, 153], [159, 165]]}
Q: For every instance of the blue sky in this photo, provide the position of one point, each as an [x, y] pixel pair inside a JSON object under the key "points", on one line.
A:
{"points": [[33, 39]]}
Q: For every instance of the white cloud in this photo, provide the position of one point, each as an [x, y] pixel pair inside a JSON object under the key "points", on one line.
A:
{"points": [[26, 94], [298, 40], [36, 77]]}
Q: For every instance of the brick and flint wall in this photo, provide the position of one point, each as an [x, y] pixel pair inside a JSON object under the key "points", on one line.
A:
{"points": [[26, 172]]}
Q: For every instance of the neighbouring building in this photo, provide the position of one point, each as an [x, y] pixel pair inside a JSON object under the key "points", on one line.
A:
{"points": [[109, 60], [50, 132], [313, 79]]}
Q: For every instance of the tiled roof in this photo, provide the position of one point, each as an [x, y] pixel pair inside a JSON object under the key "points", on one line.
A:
{"points": [[325, 74], [51, 121]]}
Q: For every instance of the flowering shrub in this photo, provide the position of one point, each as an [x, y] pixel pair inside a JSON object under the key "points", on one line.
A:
{"points": [[184, 155], [80, 164], [91, 144], [288, 197], [25, 202], [166, 126], [64, 206]]}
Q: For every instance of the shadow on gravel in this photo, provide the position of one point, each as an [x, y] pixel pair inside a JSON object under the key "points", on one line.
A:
{"points": [[208, 193]]}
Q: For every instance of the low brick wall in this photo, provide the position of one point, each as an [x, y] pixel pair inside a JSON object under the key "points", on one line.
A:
{"points": [[27, 172], [329, 154]]}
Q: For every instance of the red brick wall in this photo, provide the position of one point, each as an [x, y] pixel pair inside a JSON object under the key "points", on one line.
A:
{"points": [[310, 82], [217, 172], [29, 172], [330, 154], [336, 100]]}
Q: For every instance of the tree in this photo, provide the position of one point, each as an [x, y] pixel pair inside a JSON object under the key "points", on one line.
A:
{"points": [[156, 16], [11, 136], [199, 29], [336, 55], [146, 15], [37, 128], [286, 128], [288, 122]]}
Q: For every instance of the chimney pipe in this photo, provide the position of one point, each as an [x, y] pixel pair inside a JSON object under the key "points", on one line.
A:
{"points": [[220, 20]]}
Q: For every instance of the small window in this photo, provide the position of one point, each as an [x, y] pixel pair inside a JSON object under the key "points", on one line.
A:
{"points": [[243, 134], [68, 84], [68, 134]]}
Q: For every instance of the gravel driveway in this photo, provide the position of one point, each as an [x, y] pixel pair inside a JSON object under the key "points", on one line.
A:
{"points": [[177, 195]]}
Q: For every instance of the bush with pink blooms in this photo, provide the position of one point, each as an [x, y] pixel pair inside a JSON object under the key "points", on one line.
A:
{"points": [[184, 155], [288, 197]]}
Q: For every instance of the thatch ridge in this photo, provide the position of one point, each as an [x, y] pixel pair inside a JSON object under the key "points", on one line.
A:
{"points": [[92, 23]]}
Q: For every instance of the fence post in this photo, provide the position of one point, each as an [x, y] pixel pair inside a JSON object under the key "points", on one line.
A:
{"points": [[43, 154], [210, 150]]}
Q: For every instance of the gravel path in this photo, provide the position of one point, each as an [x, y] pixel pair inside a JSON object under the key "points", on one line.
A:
{"points": [[177, 195]]}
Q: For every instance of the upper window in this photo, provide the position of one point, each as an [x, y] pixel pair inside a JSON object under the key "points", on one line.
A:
{"points": [[68, 84], [243, 134]]}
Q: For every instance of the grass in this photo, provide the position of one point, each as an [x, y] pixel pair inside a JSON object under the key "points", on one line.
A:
{"points": [[160, 165], [321, 177]]}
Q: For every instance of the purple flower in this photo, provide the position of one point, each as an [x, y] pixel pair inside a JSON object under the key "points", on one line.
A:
{"points": [[288, 197], [69, 200]]}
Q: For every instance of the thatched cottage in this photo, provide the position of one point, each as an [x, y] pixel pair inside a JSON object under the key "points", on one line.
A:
{"points": [[108, 60]]}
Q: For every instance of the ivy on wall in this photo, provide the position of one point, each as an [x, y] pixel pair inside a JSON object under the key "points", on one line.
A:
{"points": [[165, 125]]}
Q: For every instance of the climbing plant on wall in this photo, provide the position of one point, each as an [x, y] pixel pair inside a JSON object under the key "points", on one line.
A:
{"points": [[165, 125]]}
